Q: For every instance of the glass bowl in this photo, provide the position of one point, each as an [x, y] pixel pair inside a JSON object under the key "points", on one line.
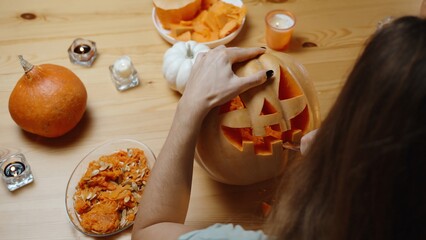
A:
{"points": [[212, 44], [104, 149]]}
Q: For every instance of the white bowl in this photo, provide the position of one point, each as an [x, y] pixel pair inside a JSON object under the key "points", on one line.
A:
{"points": [[212, 44], [104, 149]]}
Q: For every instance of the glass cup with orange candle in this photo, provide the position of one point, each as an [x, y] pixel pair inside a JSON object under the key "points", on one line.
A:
{"points": [[279, 29]]}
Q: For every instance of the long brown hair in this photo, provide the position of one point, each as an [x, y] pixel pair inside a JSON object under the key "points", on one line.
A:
{"points": [[364, 175]]}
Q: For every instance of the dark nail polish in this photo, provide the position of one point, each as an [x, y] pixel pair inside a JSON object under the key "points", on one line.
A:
{"points": [[269, 73]]}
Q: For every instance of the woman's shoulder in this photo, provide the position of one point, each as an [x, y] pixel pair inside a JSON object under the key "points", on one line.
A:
{"points": [[224, 232]]}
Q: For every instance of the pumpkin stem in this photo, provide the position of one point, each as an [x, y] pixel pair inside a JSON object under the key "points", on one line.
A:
{"points": [[189, 53], [25, 64]]}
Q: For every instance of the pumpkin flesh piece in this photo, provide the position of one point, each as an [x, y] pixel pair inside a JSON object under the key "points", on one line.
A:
{"points": [[214, 20], [174, 11]]}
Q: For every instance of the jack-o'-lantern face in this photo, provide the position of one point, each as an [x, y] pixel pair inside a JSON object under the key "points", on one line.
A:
{"points": [[241, 142]]}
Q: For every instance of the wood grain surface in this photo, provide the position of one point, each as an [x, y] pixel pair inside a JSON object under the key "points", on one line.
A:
{"points": [[328, 38]]}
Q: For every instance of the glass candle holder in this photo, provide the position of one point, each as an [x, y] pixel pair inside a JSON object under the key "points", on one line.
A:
{"points": [[14, 169], [82, 52], [279, 29], [123, 74]]}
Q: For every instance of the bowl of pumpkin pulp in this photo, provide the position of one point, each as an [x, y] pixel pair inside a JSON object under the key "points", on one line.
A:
{"points": [[104, 190], [211, 22]]}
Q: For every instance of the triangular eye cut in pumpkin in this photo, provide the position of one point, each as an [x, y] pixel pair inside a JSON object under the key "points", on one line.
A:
{"points": [[288, 86], [241, 141]]}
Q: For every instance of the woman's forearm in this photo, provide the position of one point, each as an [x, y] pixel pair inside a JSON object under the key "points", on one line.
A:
{"points": [[169, 186], [212, 82]]}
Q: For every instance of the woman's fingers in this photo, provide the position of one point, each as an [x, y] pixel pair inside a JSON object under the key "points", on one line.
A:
{"points": [[212, 79], [200, 56], [306, 141], [243, 54], [233, 54], [255, 79]]}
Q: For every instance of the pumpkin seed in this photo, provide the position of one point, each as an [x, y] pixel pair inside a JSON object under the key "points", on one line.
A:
{"points": [[137, 196], [129, 152], [104, 166], [93, 196], [125, 182], [89, 195], [123, 220], [135, 186], [135, 209], [125, 168], [95, 172]]}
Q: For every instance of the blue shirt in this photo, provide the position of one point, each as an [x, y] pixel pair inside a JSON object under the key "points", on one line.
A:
{"points": [[224, 232]]}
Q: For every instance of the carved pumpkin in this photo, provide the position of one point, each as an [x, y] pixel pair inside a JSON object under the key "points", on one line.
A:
{"points": [[241, 142]]}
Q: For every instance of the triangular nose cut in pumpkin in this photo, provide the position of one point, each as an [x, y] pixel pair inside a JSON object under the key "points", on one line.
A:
{"points": [[241, 142]]}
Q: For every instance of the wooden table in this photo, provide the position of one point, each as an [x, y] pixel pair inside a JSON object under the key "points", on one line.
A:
{"points": [[328, 37]]}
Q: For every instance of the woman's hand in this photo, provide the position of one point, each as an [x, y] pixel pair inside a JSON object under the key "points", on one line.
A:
{"points": [[306, 141], [212, 81]]}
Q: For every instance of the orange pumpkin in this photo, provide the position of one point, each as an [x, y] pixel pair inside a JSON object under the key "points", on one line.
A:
{"points": [[241, 142], [48, 100]]}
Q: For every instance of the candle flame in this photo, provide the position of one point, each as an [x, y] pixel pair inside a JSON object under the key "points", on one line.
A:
{"points": [[13, 170]]}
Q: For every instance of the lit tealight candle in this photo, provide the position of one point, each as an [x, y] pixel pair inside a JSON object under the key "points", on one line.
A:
{"points": [[14, 169], [82, 49], [281, 21], [279, 28], [82, 52]]}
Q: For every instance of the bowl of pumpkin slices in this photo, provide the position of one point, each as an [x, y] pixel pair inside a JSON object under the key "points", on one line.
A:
{"points": [[103, 192], [211, 22]]}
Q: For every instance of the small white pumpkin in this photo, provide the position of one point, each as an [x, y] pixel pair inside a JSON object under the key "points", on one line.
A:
{"points": [[178, 61]]}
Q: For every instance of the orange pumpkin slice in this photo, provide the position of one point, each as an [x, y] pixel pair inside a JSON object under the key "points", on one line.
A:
{"points": [[174, 11], [216, 20]]}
